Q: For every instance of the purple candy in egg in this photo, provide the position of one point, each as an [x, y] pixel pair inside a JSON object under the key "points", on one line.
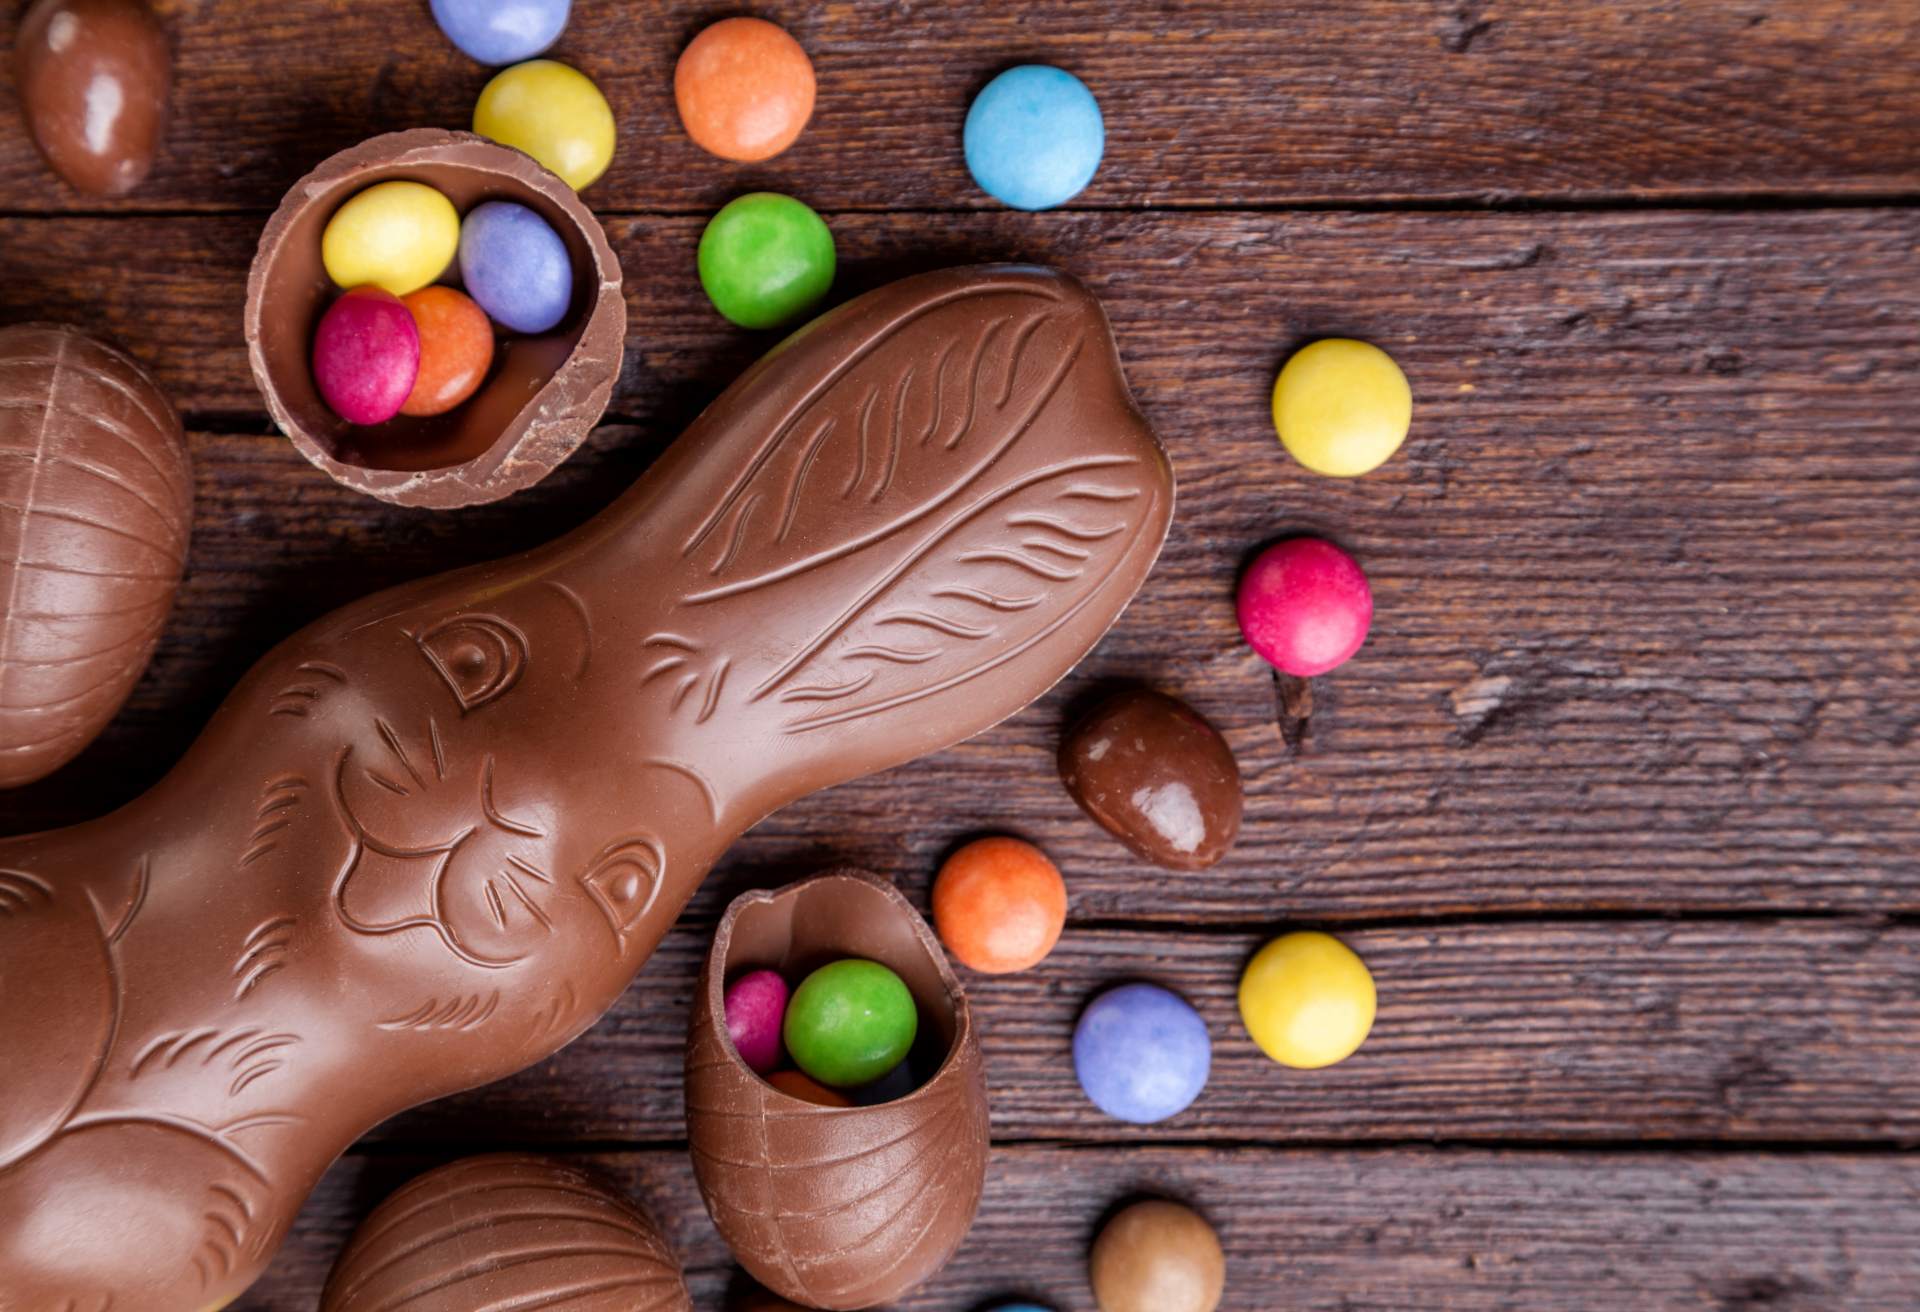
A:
{"points": [[515, 265], [366, 355], [756, 1007]]}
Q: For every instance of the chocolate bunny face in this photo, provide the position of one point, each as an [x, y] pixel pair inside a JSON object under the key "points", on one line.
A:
{"points": [[431, 837]]}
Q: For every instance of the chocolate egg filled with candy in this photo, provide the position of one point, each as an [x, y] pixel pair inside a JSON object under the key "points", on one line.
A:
{"points": [[431, 837], [836, 1207], [504, 1232]]}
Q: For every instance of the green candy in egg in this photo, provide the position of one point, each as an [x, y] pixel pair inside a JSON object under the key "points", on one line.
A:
{"points": [[850, 1022]]}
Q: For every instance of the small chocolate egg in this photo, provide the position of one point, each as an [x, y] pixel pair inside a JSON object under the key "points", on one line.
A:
{"points": [[94, 78], [95, 500], [515, 265], [1156, 776], [756, 1004], [1157, 1256]]}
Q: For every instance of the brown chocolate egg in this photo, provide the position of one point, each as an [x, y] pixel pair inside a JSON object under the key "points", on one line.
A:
{"points": [[96, 496], [1157, 777], [498, 1233], [836, 1208], [94, 78], [1158, 1256], [544, 391]]}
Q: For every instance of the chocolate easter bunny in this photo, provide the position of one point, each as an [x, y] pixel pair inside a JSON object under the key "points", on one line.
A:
{"points": [[430, 838]]}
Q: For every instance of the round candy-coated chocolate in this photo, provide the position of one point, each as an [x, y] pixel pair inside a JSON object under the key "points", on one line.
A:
{"points": [[1142, 1053], [1307, 1000], [1157, 777], [1034, 137], [456, 349], [94, 78], [1157, 1256], [1341, 407], [366, 353], [999, 905], [1305, 606], [744, 89], [797, 1085], [896, 1083], [850, 1022], [501, 31], [554, 113], [765, 260], [515, 265], [756, 1005], [398, 236]]}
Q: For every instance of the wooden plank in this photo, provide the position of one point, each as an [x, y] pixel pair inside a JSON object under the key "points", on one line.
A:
{"points": [[1646, 604], [1390, 1231], [1227, 102], [1623, 1031]]}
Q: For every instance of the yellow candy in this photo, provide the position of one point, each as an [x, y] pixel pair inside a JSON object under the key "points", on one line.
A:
{"points": [[554, 113], [1342, 407], [399, 236], [1307, 1000]]}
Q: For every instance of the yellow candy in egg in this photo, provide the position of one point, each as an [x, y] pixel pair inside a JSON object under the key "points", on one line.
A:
{"points": [[399, 236]]}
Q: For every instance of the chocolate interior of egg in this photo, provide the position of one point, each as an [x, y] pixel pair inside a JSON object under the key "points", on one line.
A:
{"points": [[542, 394], [825, 921]]}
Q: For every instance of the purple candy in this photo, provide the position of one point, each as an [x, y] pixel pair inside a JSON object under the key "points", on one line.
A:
{"points": [[366, 354], [515, 265], [756, 1008], [1142, 1053]]}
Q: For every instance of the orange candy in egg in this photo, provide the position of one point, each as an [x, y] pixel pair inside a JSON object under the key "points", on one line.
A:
{"points": [[456, 349], [745, 89]]}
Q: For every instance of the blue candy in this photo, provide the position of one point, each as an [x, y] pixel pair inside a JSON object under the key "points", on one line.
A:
{"points": [[1034, 137], [1019, 1307], [515, 265], [1141, 1053], [501, 31]]}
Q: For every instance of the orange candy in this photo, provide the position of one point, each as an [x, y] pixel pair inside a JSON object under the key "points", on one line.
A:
{"points": [[745, 89], [999, 905], [797, 1085], [456, 349]]}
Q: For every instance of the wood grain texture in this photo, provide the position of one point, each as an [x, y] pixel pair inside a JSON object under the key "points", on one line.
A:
{"points": [[1620, 1031], [1226, 102], [1388, 1231], [1646, 604]]}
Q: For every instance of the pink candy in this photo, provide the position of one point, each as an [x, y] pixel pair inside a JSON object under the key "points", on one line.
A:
{"points": [[756, 1008], [1305, 606], [366, 355]]}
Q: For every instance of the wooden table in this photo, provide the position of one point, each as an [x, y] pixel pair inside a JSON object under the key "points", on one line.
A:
{"points": [[1621, 801]]}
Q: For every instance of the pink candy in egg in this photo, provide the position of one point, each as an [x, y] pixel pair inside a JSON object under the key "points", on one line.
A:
{"points": [[1305, 606], [756, 1006], [366, 355]]}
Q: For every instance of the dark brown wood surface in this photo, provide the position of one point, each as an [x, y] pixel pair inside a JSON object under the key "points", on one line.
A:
{"points": [[1621, 801]]}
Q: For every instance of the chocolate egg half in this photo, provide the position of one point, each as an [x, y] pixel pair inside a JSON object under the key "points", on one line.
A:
{"points": [[96, 499], [506, 1232], [545, 391], [94, 78], [836, 1208], [1157, 776]]}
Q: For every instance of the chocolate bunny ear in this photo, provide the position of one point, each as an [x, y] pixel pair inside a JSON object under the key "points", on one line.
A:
{"points": [[964, 488]]}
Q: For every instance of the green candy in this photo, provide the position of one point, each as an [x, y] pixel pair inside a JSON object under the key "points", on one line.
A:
{"points": [[766, 260], [850, 1023]]}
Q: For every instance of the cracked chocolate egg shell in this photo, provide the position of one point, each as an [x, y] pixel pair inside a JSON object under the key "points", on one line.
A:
{"points": [[96, 499], [506, 1232], [836, 1208], [543, 393]]}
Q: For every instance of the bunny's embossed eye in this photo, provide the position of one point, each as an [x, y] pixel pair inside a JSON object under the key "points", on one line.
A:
{"points": [[623, 881], [479, 657]]}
